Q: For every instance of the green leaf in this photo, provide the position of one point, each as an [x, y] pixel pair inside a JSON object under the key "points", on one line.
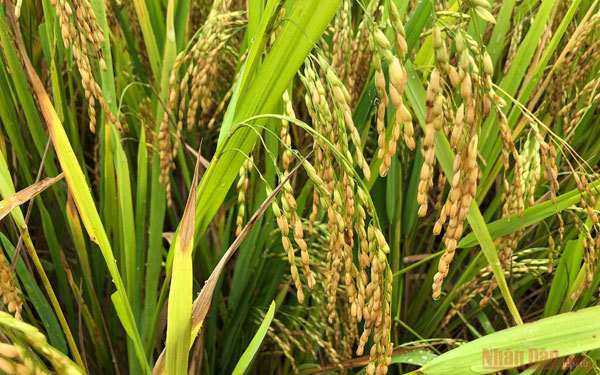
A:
{"points": [[303, 28], [414, 357], [250, 352], [561, 335], [530, 216]]}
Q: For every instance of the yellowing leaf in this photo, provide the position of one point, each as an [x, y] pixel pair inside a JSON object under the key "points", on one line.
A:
{"points": [[30, 192]]}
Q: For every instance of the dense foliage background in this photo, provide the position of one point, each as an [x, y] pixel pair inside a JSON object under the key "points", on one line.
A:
{"points": [[279, 187]]}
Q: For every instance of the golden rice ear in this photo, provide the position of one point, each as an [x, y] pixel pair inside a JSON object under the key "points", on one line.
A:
{"points": [[8, 289], [242, 187], [387, 143], [80, 31]]}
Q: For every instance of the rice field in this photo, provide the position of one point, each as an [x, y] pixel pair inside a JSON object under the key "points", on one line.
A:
{"points": [[299, 187]]}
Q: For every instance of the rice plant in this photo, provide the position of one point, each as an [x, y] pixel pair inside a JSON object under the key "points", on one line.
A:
{"points": [[299, 187]]}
